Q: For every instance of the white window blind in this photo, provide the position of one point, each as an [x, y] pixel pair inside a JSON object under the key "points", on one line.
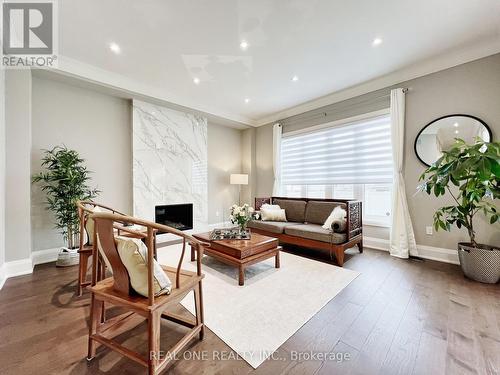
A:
{"points": [[354, 153]]}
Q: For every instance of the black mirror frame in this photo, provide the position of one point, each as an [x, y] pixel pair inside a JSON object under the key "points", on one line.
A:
{"points": [[440, 118]]}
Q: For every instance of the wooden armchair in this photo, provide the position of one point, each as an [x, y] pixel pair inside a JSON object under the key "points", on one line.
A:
{"points": [[85, 209], [116, 290]]}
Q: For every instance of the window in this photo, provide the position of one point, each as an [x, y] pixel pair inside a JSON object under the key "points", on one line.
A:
{"points": [[293, 191], [316, 191], [377, 204], [350, 161]]}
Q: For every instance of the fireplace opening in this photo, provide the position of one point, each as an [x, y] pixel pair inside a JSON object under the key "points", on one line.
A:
{"points": [[178, 216]]}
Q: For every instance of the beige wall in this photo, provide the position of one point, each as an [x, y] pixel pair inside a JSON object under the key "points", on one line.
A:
{"points": [[18, 182], [264, 161], [472, 88], [96, 125], [248, 164], [224, 158]]}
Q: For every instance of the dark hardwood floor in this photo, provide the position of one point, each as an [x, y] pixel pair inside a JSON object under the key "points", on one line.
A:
{"points": [[397, 317]]}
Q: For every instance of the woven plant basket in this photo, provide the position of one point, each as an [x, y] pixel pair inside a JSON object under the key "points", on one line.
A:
{"points": [[67, 257], [480, 263]]}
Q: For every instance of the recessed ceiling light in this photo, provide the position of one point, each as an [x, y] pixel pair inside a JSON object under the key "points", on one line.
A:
{"points": [[196, 80], [247, 100], [115, 48], [244, 45], [377, 42], [295, 78], [456, 131], [455, 124]]}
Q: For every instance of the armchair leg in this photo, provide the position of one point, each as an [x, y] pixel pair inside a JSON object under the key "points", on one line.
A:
{"points": [[95, 312], [82, 271], [154, 341], [198, 301], [360, 246]]}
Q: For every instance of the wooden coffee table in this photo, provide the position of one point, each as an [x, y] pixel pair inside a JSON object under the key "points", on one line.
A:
{"points": [[241, 253]]}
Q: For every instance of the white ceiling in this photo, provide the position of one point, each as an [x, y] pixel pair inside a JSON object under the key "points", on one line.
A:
{"points": [[326, 43]]}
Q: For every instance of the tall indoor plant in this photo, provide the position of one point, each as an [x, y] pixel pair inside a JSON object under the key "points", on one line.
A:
{"points": [[64, 181], [470, 174]]}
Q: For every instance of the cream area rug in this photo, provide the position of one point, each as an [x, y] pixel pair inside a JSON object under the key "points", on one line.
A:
{"points": [[255, 319]]}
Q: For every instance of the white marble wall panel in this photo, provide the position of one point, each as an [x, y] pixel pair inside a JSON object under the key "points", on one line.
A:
{"points": [[170, 161]]}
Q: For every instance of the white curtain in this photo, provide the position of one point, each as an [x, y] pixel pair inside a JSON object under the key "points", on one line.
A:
{"points": [[402, 238], [277, 159]]}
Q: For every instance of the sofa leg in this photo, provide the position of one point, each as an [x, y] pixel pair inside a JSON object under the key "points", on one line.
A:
{"points": [[339, 254], [360, 246]]}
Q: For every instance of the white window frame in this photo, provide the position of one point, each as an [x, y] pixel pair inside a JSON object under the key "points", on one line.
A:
{"points": [[359, 188]]}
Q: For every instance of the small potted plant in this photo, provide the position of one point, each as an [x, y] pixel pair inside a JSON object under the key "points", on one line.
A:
{"points": [[65, 182], [241, 215], [470, 174]]}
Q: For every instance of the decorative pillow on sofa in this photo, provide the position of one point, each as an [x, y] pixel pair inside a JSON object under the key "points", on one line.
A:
{"points": [[269, 212], [270, 206], [337, 220], [133, 253]]}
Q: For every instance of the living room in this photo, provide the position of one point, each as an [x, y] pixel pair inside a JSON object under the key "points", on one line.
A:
{"points": [[250, 187]]}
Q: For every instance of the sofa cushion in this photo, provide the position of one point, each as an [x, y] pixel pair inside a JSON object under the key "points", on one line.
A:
{"points": [[295, 210], [315, 232], [317, 212], [270, 226]]}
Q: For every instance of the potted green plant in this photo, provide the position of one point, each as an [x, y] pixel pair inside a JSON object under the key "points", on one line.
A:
{"points": [[470, 174], [64, 181]]}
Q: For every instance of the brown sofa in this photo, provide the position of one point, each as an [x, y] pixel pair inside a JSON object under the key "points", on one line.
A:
{"points": [[305, 218]]}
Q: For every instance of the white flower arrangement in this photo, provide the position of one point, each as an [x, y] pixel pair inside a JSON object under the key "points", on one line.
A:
{"points": [[241, 215]]}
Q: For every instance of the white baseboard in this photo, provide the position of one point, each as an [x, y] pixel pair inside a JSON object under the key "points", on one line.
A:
{"points": [[438, 253], [45, 256], [3, 276], [25, 266], [426, 252], [18, 267], [376, 243]]}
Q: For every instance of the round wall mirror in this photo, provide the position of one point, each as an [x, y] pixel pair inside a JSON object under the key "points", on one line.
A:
{"points": [[440, 134]]}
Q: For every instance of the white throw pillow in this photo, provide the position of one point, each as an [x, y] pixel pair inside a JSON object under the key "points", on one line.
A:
{"points": [[133, 253], [270, 206], [272, 214], [338, 213]]}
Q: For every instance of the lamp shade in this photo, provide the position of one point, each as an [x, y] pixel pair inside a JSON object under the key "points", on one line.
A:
{"points": [[238, 179]]}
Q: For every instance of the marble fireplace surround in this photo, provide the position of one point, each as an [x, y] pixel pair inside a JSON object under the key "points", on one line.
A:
{"points": [[169, 161]]}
